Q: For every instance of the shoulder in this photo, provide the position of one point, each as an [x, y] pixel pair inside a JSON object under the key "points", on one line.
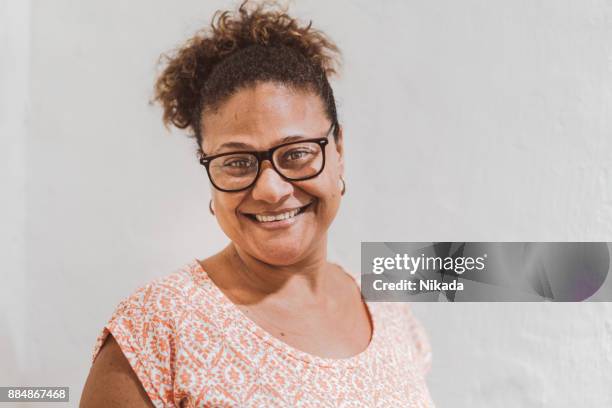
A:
{"points": [[169, 290], [168, 298], [150, 327], [403, 327], [147, 318], [399, 326]]}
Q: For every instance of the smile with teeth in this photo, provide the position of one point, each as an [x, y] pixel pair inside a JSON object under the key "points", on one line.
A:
{"points": [[278, 217]]}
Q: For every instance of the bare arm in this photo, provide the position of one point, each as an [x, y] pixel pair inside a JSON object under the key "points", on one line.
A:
{"points": [[111, 382]]}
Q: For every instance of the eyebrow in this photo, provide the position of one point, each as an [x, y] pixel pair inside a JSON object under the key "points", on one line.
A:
{"points": [[240, 145]]}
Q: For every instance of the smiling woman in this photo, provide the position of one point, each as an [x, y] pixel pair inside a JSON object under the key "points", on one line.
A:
{"points": [[268, 321]]}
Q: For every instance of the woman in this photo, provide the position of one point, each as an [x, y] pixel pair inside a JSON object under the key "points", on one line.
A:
{"points": [[268, 321]]}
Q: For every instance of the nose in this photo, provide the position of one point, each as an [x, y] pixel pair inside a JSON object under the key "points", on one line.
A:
{"points": [[270, 186]]}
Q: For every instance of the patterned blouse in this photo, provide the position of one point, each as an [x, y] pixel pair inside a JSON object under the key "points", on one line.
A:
{"points": [[190, 346]]}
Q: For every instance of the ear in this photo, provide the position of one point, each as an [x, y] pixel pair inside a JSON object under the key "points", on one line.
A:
{"points": [[339, 143]]}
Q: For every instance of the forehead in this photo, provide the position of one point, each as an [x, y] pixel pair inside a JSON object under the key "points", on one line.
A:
{"points": [[261, 114]]}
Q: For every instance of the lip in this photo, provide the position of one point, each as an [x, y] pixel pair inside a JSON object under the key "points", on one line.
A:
{"points": [[268, 213], [272, 225]]}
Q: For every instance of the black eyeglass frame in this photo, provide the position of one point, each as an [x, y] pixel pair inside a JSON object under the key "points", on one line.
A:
{"points": [[262, 155]]}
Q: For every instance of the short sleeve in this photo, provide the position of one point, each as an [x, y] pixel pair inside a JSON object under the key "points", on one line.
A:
{"points": [[143, 327], [420, 340]]}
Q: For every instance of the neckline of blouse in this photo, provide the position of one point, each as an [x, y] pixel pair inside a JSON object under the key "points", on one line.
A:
{"points": [[239, 316]]}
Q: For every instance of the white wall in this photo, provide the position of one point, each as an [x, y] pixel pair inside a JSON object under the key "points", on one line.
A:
{"points": [[14, 78], [465, 121]]}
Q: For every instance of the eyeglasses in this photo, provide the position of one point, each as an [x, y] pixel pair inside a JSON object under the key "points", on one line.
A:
{"points": [[293, 161]]}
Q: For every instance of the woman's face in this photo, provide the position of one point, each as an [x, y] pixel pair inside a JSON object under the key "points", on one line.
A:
{"points": [[259, 117]]}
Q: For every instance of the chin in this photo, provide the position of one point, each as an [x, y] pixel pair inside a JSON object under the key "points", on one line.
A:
{"points": [[280, 255]]}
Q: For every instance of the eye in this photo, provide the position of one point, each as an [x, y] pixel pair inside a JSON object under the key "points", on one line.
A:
{"points": [[239, 163], [297, 154]]}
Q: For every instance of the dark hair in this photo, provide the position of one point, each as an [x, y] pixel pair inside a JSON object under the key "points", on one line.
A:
{"points": [[255, 44]]}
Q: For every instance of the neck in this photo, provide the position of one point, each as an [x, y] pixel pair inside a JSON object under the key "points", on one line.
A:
{"points": [[303, 282]]}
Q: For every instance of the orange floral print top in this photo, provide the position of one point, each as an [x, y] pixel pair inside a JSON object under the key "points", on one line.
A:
{"points": [[190, 346]]}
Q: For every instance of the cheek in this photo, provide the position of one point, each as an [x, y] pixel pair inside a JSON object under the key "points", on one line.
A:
{"points": [[225, 206], [327, 192]]}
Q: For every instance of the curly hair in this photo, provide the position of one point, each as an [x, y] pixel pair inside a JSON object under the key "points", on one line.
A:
{"points": [[255, 44]]}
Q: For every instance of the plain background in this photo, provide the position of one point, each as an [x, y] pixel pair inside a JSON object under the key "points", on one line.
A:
{"points": [[464, 121]]}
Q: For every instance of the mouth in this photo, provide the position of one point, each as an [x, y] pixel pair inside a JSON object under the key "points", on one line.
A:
{"points": [[271, 218]]}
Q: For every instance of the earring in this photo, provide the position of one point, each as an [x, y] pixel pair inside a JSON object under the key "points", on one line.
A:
{"points": [[210, 207], [343, 188]]}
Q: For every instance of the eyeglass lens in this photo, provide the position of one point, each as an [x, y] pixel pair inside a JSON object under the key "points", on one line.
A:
{"points": [[295, 161]]}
